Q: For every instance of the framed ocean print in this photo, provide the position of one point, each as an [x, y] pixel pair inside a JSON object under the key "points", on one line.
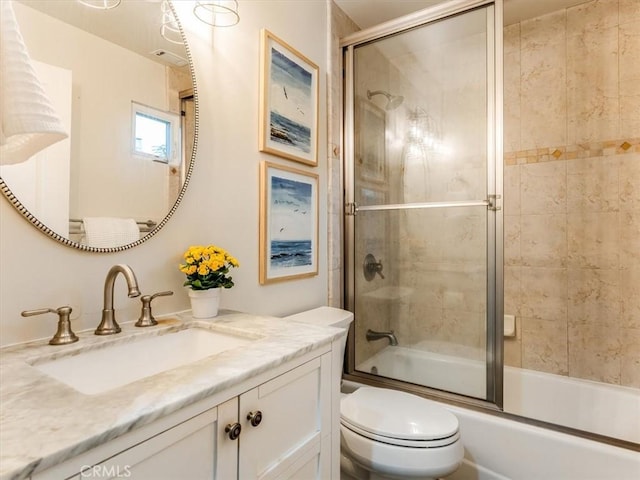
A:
{"points": [[288, 102], [288, 223]]}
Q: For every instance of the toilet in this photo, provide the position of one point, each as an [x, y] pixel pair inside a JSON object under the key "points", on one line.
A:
{"points": [[388, 434]]}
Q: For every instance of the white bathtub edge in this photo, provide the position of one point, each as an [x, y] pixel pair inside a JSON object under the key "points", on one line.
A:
{"points": [[500, 445]]}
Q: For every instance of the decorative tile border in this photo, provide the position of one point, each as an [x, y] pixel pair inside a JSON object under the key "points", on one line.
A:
{"points": [[571, 152]]}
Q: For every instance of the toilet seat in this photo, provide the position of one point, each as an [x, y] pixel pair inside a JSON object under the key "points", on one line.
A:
{"points": [[399, 442], [398, 418]]}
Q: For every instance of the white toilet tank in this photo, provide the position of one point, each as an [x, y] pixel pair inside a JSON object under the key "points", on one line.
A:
{"points": [[327, 317]]}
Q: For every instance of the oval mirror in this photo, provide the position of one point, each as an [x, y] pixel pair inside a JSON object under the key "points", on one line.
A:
{"points": [[122, 81]]}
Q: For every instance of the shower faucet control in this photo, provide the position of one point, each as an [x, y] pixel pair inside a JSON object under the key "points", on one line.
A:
{"points": [[372, 266]]}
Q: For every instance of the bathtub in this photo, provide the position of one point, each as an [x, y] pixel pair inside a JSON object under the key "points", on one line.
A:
{"points": [[496, 447]]}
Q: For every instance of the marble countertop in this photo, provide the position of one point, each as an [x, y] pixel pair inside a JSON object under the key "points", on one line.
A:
{"points": [[44, 422]]}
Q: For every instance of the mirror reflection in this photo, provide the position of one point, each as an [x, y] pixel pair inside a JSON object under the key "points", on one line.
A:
{"points": [[125, 94]]}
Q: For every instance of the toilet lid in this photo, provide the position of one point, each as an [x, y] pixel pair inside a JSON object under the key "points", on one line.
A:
{"points": [[395, 414]]}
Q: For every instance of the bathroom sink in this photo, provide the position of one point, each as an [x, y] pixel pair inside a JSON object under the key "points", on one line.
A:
{"points": [[103, 369]]}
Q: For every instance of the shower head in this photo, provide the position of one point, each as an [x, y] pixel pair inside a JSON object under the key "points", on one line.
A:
{"points": [[393, 101]]}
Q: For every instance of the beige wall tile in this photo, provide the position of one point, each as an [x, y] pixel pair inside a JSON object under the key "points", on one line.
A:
{"points": [[512, 88], [467, 231], [543, 188], [369, 315], [544, 345], [594, 352], [630, 181], [417, 325], [585, 217], [629, 38], [512, 240], [629, 11], [594, 15], [512, 301], [513, 351], [463, 329], [593, 104], [592, 185], [543, 293], [335, 288], [594, 296], [630, 297], [445, 181], [630, 239], [543, 240], [543, 95], [593, 240], [465, 290], [630, 368], [511, 187], [425, 287]]}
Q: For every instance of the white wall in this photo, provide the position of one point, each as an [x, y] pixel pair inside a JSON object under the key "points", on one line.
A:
{"points": [[221, 204]]}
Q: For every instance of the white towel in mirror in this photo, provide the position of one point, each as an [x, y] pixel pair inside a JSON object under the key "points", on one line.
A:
{"points": [[108, 232], [28, 121]]}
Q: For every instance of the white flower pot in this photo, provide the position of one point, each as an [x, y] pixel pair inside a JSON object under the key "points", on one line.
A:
{"points": [[204, 303]]}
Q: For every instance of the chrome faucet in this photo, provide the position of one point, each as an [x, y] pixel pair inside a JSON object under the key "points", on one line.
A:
{"points": [[372, 335], [108, 325]]}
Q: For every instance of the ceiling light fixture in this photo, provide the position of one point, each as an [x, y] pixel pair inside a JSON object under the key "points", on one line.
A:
{"points": [[217, 13], [169, 28]]}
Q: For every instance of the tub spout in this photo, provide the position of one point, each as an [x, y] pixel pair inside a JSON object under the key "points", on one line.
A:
{"points": [[108, 325], [373, 335]]}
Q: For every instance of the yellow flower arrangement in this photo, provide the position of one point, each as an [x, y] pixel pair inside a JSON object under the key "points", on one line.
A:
{"points": [[207, 267]]}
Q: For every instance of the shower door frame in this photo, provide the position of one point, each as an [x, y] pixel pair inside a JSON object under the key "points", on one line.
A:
{"points": [[494, 311]]}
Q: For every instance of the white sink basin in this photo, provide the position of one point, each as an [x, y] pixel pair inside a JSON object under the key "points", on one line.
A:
{"points": [[103, 369]]}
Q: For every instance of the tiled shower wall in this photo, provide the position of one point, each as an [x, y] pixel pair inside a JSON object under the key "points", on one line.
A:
{"points": [[572, 191]]}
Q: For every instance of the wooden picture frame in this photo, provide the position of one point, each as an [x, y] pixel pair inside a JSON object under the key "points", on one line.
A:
{"points": [[370, 142], [288, 102], [288, 223]]}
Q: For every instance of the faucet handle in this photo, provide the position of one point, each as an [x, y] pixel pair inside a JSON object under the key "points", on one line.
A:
{"points": [[372, 266], [146, 318], [64, 335]]}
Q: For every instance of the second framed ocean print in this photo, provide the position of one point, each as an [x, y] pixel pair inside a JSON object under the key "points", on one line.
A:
{"points": [[288, 223], [288, 102]]}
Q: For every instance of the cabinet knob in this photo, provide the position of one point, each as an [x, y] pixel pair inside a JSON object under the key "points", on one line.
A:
{"points": [[255, 418], [233, 429]]}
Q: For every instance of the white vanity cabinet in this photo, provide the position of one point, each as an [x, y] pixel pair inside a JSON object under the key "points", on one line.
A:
{"points": [[284, 421]]}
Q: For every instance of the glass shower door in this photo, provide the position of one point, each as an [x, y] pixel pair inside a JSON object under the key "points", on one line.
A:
{"points": [[421, 215]]}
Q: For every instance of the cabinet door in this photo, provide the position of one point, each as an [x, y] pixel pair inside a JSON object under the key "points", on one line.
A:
{"points": [[287, 442], [187, 450]]}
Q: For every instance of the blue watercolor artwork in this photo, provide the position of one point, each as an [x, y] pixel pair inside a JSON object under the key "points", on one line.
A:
{"points": [[291, 223], [291, 113]]}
